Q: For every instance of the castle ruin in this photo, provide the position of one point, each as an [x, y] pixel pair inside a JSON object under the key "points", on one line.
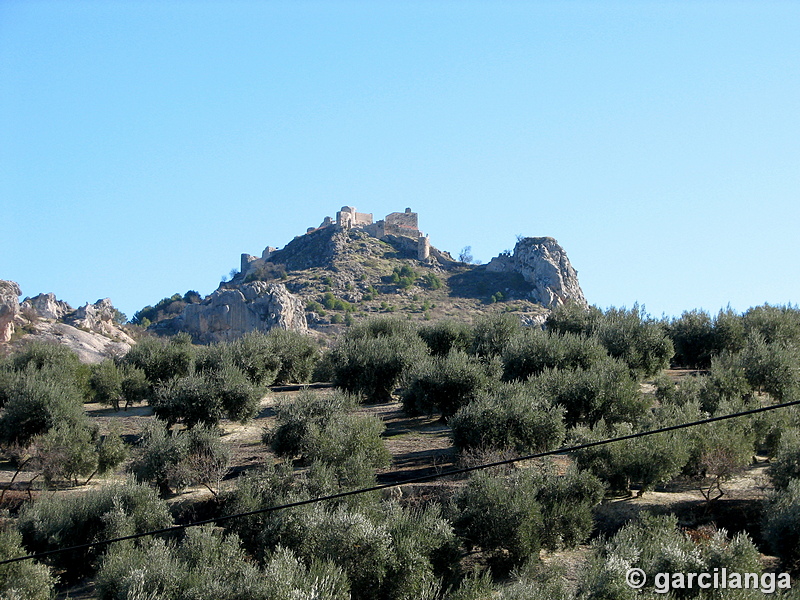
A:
{"points": [[403, 225]]}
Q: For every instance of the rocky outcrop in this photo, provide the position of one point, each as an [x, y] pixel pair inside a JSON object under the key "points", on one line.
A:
{"points": [[90, 331], [46, 306], [90, 346], [543, 263], [97, 317], [230, 312], [9, 308]]}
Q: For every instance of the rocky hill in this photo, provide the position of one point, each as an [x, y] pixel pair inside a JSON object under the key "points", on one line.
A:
{"points": [[350, 269], [93, 331]]}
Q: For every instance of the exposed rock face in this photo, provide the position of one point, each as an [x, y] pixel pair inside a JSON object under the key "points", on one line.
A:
{"points": [[9, 308], [544, 264], [229, 313], [47, 306], [90, 331], [97, 317], [90, 346]]}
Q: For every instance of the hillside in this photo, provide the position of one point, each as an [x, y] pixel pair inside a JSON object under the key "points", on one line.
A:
{"points": [[336, 275]]}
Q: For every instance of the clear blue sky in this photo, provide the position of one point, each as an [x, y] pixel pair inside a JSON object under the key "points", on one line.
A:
{"points": [[145, 145]]}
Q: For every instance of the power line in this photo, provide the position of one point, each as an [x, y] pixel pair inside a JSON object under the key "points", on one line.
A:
{"points": [[420, 479]]}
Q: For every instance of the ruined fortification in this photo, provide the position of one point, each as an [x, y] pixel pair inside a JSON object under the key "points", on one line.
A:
{"points": [[403, 225]]}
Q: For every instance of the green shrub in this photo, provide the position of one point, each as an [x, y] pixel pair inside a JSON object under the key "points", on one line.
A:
{"points": [[135, 386], [385, 550], [603, 391], [295, 418], [314, 306], [730, 331], [190, 400], [111, 452], [656, 545], [206, 398], [319, 428], [537, 583], [404, 277], [373, 365], [492, 333], [781, 524], [512, 517], [383, 327], [772, 367], [567, 502], [502, 516], [162, 359], [66, 452], [361, 547], [629, 335], [426, 551], [776, 324], [254, 353], [164, 308], [287, 576], [574, 318], [268, 485], [443, 336], [639, 341], [393, 554], [694, 339], [444, 383], [8, 377], [209, 566], [297, 353], [54, 358], [331, 302], [646, 461], [532, 351], [726, 381], [785, 466], [52, 522], [477, 585], [348, 436], [239, 399], [106, 382], [174, 461], [720, 450], [371, 293], [37, 401], [26, 580], [432, 281], [513, 417]]}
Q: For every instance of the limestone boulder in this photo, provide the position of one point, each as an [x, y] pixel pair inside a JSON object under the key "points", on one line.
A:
{"points": [[543, 263], [46, 306], [229, 313], [97, 317], [9, 308]]}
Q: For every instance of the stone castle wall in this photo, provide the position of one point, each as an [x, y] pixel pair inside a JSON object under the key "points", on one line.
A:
{"points": [[348, 217], [405, 219]]}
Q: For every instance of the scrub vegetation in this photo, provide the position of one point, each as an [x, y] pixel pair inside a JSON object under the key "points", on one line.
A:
{"points": [[174, 432]]}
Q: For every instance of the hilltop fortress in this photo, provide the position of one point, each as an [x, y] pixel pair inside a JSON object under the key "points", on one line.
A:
{"points": [[402, 227], [397, 223]]}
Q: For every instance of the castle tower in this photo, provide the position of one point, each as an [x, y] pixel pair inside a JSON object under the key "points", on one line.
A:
{"points": [[423, 247]]}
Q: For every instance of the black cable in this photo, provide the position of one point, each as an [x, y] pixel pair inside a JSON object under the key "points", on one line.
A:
{"points": [[421, 479]]}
